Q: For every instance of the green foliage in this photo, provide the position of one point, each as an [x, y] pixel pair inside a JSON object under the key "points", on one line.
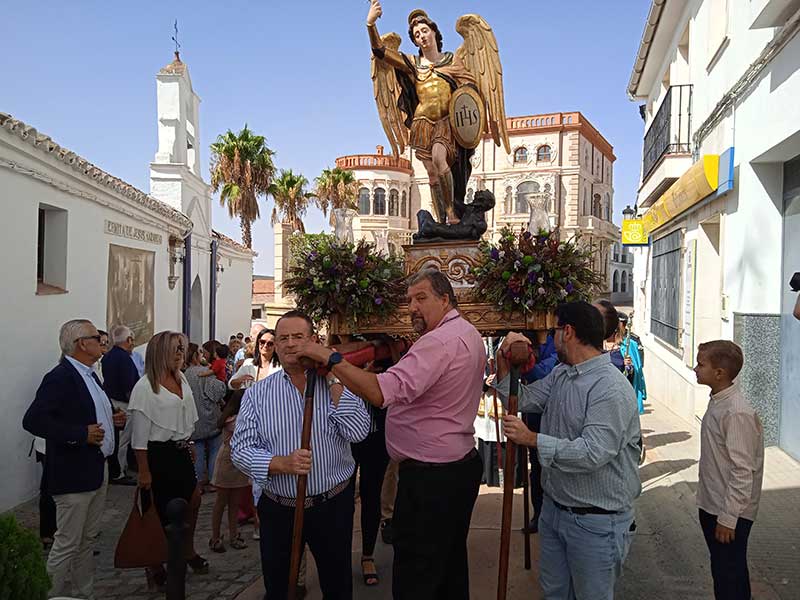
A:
{"points": [[534, 272], [23, 575], [353, 280]]}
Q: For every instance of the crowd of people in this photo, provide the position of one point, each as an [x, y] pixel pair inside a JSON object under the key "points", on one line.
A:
{"points": [[411, 433]]}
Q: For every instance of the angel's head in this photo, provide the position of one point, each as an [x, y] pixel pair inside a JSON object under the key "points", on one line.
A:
{"points": [[424, 32]]}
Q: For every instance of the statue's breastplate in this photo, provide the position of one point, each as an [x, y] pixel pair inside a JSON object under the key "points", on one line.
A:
{"points": [[434, 95]]}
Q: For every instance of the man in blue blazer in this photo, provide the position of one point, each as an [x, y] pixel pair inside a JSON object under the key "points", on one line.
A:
{"points": [[74, 416]]}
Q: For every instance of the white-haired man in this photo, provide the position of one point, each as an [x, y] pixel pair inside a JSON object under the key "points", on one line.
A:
{"points": [[119, 376], [74, 416]]}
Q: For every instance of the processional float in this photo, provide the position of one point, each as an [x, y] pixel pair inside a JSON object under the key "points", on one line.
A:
{"points": [[442, 105]]}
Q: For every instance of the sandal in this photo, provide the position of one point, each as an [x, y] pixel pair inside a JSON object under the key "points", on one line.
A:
{"points": [[216, 545], [198, 564], [370, 579], [238, 543]]}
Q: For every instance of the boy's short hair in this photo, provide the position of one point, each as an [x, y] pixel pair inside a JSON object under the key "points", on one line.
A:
{"points": [[222, 351], [723, 354]]}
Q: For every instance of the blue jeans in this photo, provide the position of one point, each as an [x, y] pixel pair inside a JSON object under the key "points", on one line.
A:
{"points": [[582, 555], [205, 452]]}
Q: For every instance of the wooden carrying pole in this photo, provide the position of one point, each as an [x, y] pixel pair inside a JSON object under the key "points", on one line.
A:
{"points": [[302, 481], [519, 353], [526, 513]]}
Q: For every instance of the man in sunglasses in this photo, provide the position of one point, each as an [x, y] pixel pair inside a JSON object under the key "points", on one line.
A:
{"points": [[74, 416]]}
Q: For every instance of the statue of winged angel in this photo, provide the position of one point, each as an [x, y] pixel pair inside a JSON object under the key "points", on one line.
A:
{"points": [[416, 96]]}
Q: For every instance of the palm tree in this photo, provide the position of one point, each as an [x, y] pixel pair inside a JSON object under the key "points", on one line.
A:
{"points": [[242, 166], [291, 199], [336, 188]]}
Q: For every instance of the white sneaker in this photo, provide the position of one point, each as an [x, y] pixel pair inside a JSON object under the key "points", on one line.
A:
{"points": [[256, 534]]}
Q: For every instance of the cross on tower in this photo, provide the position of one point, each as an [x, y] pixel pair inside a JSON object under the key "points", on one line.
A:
{"points": [[175, 38]]}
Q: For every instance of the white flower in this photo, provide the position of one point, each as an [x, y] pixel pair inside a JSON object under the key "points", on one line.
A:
{"points": [[541, 279], [541, 291], [502, 253], [563, 293]]}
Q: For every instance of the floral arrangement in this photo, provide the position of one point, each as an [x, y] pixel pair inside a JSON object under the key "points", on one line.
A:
{"points": [[328, 277], [533, 272]]}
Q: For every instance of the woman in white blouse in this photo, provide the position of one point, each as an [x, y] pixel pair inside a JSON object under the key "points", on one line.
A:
{"points": [[265, 362], [163, 415]]}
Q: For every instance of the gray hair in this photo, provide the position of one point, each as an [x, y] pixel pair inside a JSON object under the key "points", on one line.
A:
{"points": [[120, 333], [440, 284], [69, 334]]}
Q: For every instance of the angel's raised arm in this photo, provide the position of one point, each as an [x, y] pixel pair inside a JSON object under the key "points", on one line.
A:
{"points": [[391, 56]]}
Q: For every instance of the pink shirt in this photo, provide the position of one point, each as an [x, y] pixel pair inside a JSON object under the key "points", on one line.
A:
{"points": [[432, 394]]}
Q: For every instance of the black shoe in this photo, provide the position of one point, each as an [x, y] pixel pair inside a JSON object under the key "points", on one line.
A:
{"points": [[386, 531], [125, 480]]}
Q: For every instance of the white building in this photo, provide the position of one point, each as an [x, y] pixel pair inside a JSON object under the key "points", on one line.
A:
{"points": [[718, 84], [558, 159], [85, 244], [621, 275]]}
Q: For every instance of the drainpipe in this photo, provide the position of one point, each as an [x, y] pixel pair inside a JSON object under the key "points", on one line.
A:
{"points": [[212, 298], [187, 285]]}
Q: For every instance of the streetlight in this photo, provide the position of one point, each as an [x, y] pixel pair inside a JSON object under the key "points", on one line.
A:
{"points": [[628, 213]]}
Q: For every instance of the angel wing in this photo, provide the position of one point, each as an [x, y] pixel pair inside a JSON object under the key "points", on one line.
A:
{"points": [[387, 91], [481, 58]]}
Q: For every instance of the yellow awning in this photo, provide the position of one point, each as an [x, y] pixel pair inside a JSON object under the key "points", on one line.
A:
{"points": [[700, 180]]}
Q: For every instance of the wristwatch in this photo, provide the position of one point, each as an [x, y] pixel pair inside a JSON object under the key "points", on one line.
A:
{"points": [[334, 359], [334, 381]]}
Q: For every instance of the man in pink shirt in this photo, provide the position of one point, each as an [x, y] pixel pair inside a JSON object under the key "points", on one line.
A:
{"points": [[431, 396]]}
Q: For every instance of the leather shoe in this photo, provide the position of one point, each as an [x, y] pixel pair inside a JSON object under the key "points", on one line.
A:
{"points": [[125, 480]]}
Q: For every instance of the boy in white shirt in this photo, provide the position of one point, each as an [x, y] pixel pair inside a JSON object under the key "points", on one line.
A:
{"points": [[731, 468]]}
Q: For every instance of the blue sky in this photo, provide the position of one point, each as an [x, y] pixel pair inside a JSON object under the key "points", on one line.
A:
{"points": [[298, 73]]}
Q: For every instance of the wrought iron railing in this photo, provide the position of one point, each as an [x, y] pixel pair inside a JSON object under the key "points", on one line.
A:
{"points": [[670, 131]]}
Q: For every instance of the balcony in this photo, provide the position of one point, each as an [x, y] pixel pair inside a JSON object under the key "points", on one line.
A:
{"points": [[376, 162], [667, 144], [592, 225]]}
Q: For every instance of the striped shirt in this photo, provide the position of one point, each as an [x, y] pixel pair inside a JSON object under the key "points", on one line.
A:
{"points": [[588, 445], [270, 423], [731, 458]]}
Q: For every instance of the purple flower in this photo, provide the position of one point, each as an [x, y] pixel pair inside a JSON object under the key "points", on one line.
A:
{"points": [[378, 300], [360, 262], [527, 235], [313, 256], [494, 253], [531, 277], [569, 287]]}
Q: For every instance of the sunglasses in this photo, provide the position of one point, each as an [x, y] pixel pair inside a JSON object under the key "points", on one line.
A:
{"points": [[267, 343]]}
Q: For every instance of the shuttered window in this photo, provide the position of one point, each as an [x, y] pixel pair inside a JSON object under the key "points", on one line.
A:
{"points": [[666, 288]]}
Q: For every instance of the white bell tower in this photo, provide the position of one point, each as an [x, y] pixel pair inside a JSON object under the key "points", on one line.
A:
{"points": [[175, 172]]}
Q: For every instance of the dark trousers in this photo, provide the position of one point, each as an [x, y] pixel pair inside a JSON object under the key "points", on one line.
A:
{"points": [[47, 506], [328, 531], [431, 523], [534, 423], [728, 561], [372, 459]]}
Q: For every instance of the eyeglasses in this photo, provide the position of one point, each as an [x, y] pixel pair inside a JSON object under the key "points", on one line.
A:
{"points": [[267, 343], [97, 338]]}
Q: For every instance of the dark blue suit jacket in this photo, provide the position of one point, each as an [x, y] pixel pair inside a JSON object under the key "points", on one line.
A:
{"points": [[119, 374], [61, 413]]}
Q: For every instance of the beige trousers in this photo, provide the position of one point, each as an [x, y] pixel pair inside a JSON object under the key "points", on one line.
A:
{"points": [[389, 490], [78, 524]]}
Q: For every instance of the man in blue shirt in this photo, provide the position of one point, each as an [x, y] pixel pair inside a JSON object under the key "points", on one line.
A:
{"points": [[119, 376]]}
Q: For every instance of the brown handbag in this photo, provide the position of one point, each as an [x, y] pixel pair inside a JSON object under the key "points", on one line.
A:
{"points": [[142, 543]]}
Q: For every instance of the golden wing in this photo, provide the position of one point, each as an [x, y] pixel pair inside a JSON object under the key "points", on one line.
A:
{"points": [[387, 91], [480, 57]]}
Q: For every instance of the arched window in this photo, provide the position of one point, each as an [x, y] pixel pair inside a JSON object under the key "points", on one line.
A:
{"points": [[524, 190], [363, 201], [608, 207], [596, 208], [585, 202], [623, 284], [615, 284], [393, 203], [403, 205], [630, 281], [509, 200], [521, 155], [379, 202], [543, 154]]}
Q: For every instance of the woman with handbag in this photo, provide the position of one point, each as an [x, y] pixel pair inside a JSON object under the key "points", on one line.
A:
{"points": [[163, 414], [209, 395]]}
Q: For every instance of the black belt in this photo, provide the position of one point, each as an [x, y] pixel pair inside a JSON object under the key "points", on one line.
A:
{"points": [[585, 510], [311, 501], [410, 463]]}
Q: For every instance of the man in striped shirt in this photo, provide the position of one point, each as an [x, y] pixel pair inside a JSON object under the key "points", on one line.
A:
{"points": [[588, 449], [266, 447]]}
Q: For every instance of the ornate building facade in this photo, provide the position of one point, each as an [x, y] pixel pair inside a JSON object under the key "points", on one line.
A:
{"points": [[558, 161]]}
